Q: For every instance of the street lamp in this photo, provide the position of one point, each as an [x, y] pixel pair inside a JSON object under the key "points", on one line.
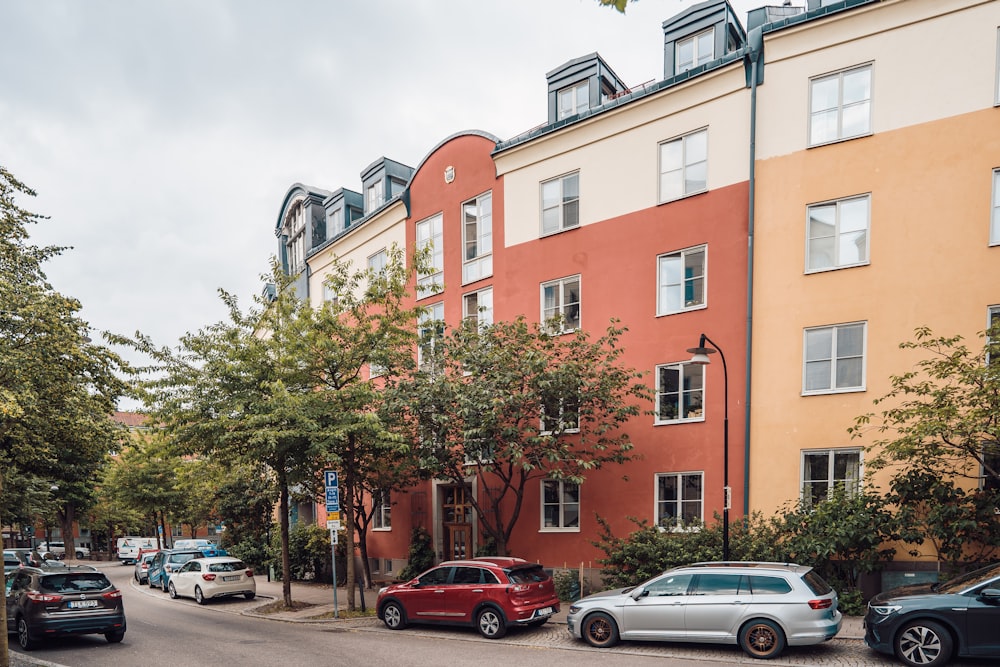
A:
{"points": [[700, 356]]}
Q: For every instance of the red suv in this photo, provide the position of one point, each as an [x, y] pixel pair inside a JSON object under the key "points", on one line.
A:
{"points": [[490, 593]]}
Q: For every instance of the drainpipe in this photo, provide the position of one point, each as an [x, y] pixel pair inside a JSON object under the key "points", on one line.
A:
{"points": [[754, 64]]}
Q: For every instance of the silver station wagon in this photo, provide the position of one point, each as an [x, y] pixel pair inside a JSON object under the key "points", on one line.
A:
{"points": [[763, 607]]}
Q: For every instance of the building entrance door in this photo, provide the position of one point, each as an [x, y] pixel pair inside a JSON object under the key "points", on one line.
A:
{"points": [[456, 522]]}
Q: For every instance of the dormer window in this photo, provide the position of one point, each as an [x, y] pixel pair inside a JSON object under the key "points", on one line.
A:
{"points": [[295, 235], [374, 196], [694, 51], [335, 222], [574, 100]]}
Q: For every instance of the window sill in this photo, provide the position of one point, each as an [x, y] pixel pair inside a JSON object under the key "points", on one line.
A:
{"points": [[827, 392], [840, 140], [559, 530], [543, 234], [686, 195], [679, 421], [382, 530], [827, 269], [701, 306]]}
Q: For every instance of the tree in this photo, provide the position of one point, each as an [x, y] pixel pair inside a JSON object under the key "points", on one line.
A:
{"points": [[511, 403], [940, 425], [144, 479], [617, 4]]}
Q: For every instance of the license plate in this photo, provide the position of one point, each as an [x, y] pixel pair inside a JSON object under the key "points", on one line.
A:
{"points": [[546, 611], [82, 604], [232, 578]]}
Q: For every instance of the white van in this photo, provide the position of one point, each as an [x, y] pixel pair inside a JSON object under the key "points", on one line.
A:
{"points": [[128, 547]]}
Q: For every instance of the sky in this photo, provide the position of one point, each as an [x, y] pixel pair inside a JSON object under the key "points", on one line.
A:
{"points": [[161, 136]]}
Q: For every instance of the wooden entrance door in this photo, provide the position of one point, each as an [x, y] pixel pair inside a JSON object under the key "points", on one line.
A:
{"points": [[456, 522]]}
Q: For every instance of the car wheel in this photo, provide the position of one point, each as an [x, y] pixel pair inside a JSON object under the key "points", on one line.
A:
{"points": [[199, 597], [923, 644], [136, 577], [114, 637], [172, 590], [79, 554], [393, 616], [249, 595], [491, 623], [600, 630], [24, 640], [762, 639]]}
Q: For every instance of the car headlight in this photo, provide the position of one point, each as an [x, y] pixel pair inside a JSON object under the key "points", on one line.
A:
{"points": [[884, 609], [573, 609], [383, 590]]}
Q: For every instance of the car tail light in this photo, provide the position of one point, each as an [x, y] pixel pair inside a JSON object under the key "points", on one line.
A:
{"points": [[35, 596], [249, 573], [821, 604], [520, 588], [112, 595], [208, 576]]}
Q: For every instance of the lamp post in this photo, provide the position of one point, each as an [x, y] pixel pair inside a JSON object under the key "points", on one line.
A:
{"points": [[700, 356]]}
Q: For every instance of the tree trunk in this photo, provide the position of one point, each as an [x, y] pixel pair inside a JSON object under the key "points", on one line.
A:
{"points": [[286, 565], [67, 514]]}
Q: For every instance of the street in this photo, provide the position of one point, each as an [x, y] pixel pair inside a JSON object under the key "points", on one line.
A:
{"points": [[181, 632]]}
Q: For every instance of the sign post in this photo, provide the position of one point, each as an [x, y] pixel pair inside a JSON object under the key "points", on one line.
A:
{"points": [[333, 525]]}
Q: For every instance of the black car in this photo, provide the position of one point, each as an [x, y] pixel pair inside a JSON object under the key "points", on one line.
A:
{"points": [[44, 603], [924, 625]]}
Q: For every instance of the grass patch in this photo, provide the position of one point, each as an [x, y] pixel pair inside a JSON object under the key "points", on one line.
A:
{"points": [[357, 613], [279, 606]]}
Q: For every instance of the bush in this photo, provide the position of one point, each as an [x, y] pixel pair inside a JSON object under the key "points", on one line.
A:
{"points": [[421, 555], [309, 554], [568, 585]]}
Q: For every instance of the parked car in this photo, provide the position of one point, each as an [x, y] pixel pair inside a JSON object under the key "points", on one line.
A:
{"points": [[141, 573], [194, 544], [168, 561], [59, 549], [11, 561], [490, 594], [762, 607], [925, 625], [130, 547], [78, 600], [207, 578], [32, 558]]}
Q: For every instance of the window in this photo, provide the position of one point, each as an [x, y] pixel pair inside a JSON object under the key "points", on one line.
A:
{"points": [[684, 166], [478, 307], [295, 245], [573, 100], [378, 262], [838, 234], [335, 222], [431, 328], [997, 93], [825, 470], [694, 51], [382, 515], [560, 414], [992, 322], [991, 470], [561, 298], [719, 584], [429, 234], [561, 203], [840, 105], [375, 196], [477, 233], [680, 279], [560, 504], [679, 499], [680, 393], [834, 359], [995, 210]]}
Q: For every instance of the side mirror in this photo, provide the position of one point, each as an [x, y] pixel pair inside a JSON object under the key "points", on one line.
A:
{"points": [[990, 595], [638, 592]]}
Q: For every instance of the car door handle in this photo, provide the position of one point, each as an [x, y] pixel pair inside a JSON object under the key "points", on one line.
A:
{"points": [[477, 590], [440, 590]]}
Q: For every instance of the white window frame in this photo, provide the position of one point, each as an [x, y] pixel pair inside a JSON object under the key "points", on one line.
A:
{"points": [[840, 107], [834, 358], [992, 317], [477, 238], [375, 195], [688, 163], [335, 222], [478, 305], [831, 481], [329, 294], [430, 232], [559, 203], [659, 502], [432, 317], [995, 210], [695, 414], [697, 58], [561, 486], [378, 261], [382, 516], [561, 427], [840, 235], [563, 306], [996, 95], [685, 283], [572, 95]]}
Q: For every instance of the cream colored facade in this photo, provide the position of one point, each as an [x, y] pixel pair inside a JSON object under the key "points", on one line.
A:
{"points": [[926, 169]]}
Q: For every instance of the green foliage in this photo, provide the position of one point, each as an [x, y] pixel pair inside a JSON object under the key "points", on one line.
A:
{"points": [[421, 556], [487, 547], [617, 4], [540, 406], [309, 554], [567, 584]]}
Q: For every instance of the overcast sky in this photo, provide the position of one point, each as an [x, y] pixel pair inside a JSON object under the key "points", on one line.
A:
{"points": [[161, 136]]}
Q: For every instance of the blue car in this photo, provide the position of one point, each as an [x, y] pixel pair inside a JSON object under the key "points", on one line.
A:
{"points": [[168, 561]]}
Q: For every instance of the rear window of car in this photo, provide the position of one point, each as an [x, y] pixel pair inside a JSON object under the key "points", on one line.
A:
{"points": [[527, 575], [816, 583], [75, 582], [769, 585], [181, 558], [231, 566]]}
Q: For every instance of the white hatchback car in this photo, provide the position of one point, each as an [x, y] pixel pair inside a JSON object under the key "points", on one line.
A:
{"points": [[207, 578]]}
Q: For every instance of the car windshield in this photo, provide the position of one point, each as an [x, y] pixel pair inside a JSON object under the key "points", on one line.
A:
{"points": [[75, 582], [970, 580], [527, 575], [232, 566]]}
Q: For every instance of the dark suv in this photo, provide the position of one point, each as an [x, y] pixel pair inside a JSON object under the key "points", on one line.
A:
{"points": [[488, 593], [55, 603]]}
